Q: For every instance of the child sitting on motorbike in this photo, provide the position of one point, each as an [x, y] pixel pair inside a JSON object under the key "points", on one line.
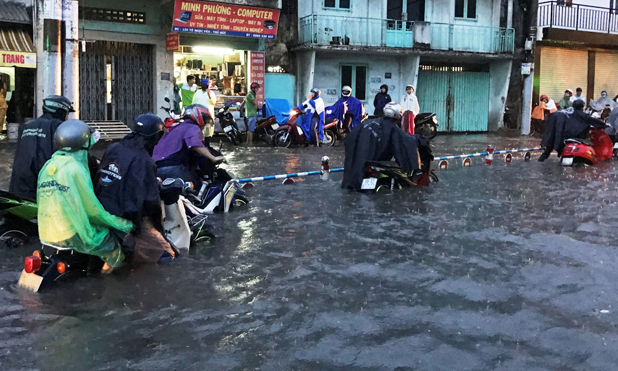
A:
{"points": [[69, 214], [179, 153]]}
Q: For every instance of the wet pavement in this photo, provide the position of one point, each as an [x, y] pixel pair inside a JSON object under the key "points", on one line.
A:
{"points": [[508, 267]]}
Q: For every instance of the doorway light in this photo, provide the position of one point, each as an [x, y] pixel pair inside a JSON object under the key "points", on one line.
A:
{"points": [[212, 50]]}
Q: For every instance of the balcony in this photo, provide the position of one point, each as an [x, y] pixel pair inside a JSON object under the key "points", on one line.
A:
{"points": [[556, 14], [321, 30]]}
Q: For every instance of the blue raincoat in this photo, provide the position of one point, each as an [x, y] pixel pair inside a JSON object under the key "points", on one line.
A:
{"points": [[315, 114], [347, 104]]}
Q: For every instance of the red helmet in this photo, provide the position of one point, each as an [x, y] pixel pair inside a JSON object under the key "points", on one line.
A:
{"points": [[198, 114]]}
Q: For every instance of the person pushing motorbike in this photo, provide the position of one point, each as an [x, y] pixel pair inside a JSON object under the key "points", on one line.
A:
{"points": [[348, 110], [181, 152], [382, 139], [127, 186], [69, 213], [313, 123], [35, 145], [572, 123]]}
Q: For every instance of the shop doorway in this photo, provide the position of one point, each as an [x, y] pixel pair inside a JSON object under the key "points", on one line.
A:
{"points": [[458, 95], [116, 81]]}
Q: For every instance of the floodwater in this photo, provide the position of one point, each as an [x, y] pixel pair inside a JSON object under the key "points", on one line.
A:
{"points": [[503, 267]]}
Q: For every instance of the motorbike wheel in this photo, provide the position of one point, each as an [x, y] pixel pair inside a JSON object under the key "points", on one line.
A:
{"points": [[234, 138], [428, 130], [240, 201], [329, 138], [12, 237], [283, 139]]}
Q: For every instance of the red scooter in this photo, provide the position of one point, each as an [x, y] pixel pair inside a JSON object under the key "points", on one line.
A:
{"points": [[584, 152], [173, 119], [291, 132], [266, 129]]}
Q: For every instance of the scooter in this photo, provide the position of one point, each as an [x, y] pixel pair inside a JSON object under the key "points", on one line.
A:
{"points": [[387, 175], [228, 124], [332, 132], [17, 219], [426, 124], [173, 117], [584, 152], [266, 128], [51, 263], [291, 131]]}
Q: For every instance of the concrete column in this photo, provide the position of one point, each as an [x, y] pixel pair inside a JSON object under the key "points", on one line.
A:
{"points": [[70, 54], [509, 14], [526, 105], [51, 52], [40, 60], [499, 79], [306, 70]]}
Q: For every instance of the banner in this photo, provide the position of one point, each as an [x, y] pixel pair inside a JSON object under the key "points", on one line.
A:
{"points": [[258, 64], [17, 59], [172, 41], [225, 20]]}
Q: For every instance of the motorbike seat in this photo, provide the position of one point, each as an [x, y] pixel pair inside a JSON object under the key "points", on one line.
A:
{"points": [[384, 164], [328, 121], [46, 244], [579, 141]]}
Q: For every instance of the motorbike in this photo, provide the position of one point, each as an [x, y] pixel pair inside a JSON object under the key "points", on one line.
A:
{"points": [[266, 128], [17, 219], [387, 175], [228, 124], [426, 124], [51, 263], [586, 152], [332, 132], [173, 116], [291, 131]]}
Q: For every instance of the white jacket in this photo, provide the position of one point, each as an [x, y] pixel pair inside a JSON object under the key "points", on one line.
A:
{"points": [[409, 102]]}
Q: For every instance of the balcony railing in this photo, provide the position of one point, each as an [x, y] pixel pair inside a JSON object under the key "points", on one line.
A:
{"points": [[332, 30], [556, 14]]}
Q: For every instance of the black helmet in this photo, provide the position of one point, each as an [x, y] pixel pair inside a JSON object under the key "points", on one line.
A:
{"points": [[148, 125], [578, 105], [198, 114], [72, 135], [55, 103]]}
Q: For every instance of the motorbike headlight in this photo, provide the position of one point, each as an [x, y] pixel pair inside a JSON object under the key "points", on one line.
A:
{"points": [[435, 120]]}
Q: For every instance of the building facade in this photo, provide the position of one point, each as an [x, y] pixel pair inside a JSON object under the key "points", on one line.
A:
{"points": [[576, 47], [457, 54]]}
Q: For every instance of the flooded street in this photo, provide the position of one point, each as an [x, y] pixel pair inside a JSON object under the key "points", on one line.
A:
{"points": [[504, 267]]}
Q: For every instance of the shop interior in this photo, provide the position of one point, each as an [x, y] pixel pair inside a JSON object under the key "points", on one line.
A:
{"points": [[17, 85], [227, 66]]}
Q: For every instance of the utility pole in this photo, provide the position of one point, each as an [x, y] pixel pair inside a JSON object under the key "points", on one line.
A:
{"points": [[531, 28]]}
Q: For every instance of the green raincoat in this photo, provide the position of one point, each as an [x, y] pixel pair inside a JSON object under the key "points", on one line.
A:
{"points": [[565, 102], [70, 215]]}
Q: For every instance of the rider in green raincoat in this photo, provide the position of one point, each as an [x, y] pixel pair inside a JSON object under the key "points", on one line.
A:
{"points": [[70, 215]]}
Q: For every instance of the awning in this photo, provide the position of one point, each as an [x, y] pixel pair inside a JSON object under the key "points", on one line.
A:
{"points": [[16, 49]]}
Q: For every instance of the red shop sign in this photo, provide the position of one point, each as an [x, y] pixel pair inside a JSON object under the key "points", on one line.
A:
{"points": [[224, 19], [258, 67], [173, 41]]}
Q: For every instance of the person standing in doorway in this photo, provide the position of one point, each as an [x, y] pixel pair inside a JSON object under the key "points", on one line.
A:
{"points": [[207, 98], [578, 95], [381, 99], [251, 111], [3, 105], [187, 91], [410, 107]]}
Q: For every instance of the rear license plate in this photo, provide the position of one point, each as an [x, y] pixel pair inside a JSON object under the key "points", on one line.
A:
{"points": [[616, 145], [299, 130], [567, 161], [30, 281], [227, 129], [369, 183], [275, 126]]}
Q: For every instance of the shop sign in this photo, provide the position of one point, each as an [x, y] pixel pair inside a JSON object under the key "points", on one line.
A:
{"points": [[225, 20], [173, 41], [258, 66], [16, 59], [526, 68]]}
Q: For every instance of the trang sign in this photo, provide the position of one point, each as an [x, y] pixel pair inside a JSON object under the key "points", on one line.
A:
{"points": [[226, 20], [16, 59]]}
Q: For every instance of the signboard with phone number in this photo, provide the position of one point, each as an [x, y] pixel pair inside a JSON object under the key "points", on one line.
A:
{"points": [[225, 20]]}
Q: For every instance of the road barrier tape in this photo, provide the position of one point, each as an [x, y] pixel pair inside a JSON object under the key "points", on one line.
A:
{"points": [[466, 162]]}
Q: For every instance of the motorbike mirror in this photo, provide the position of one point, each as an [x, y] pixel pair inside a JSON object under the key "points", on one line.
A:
{"points": [[167, 99]]}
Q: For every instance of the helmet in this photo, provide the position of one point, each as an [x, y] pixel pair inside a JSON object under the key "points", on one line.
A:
{"points": [[578, 105], [197, 113], [55, 103], [72, 135], [254, 85], [205, 81], [316, 92], [346, 91], [148, 125], [392, 109]]}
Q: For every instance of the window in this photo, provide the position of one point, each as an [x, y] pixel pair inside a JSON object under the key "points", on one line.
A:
{"points": [[337, 4], [356, 78], [465, 9]]}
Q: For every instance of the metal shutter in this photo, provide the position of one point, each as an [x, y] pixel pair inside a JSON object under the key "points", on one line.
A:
{"points": [[563, 69], [605, 76]]}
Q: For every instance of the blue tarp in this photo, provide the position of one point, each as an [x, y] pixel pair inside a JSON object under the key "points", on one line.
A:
{"points": [[280, 108]]}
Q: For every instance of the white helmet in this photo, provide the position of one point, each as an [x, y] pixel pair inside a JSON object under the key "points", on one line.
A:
{"points": [[346, 91], [392, 109]]}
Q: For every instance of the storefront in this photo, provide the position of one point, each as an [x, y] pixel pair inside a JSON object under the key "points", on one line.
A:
{"points": [[17, 76], [222, 42]]}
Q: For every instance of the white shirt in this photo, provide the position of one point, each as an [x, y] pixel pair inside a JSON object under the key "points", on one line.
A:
{"points": [[575, 97], [206, 98]]}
